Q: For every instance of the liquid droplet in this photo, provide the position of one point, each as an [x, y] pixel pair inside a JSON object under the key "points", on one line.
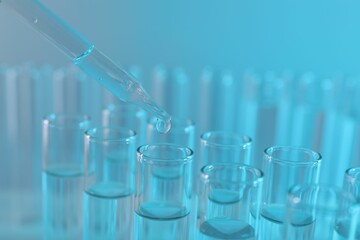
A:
{"points": [[163, 126], [35, 20]]}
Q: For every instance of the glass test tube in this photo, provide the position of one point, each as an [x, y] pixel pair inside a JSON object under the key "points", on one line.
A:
{"points": [[205, 99], [180, 90], [182, 132], [221, 146], [352, 182], [224, 107], [126, 116], [284, 167], [163, 194], [229, 201], [62, 178], [317, 212], [110, 171]]}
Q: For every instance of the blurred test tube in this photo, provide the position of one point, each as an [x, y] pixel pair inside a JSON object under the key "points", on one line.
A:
{"points": [[222, 146], [247, 113], [330, 89], [225, 104], [269, 95], [12, 127], [3, 140], [180, 94], [205, 88], [128, 116], [321, 212], [62, 178], [305, 126], [285, 106], [159, 84], [347, 126], [351, 182]]}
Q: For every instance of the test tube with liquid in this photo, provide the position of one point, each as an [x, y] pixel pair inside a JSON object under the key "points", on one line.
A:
{"points": [[88, 58], [109, 183], [320, 212], [163, 192], [62, 179], [284, 167]]}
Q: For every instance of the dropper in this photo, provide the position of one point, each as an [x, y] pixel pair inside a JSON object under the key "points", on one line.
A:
{"points": [[89, 59]]}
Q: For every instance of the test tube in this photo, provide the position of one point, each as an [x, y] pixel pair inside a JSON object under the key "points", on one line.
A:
{"points": [[126, 116], [159, 82], [284, 167], [62, 178], [330, 89], [285, 105], [163, 192], [305, 111], [318, 212], [180, 89], [345, 135], [3, 141], [88, 58], [249, 106], [182, 133], [229, 201], [27, 201], [225, 104], [352, 182], [110, 171], [222, 146], [206, 83], [10, 182], [268, 98]]}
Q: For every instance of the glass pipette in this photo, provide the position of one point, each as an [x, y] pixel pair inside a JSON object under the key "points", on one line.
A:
{"points": [[88, 58]]}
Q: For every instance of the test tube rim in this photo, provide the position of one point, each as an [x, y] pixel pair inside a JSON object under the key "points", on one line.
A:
{"points": [[353, 174], [142, 157], [131, 137], [83, 120], [246, 140], [314, 160], [257, 173]]}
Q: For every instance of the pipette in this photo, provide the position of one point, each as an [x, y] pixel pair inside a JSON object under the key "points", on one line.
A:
{"points": [[84, 54]]}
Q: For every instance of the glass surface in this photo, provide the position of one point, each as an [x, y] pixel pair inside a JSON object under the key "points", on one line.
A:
{"points": [[62, 177], [229, 201], [163, 193], [320, 212], [110, 173], [284, 167]]}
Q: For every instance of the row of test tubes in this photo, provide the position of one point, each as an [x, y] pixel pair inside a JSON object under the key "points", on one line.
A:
{"points": [[163, 190], [274, 109]]}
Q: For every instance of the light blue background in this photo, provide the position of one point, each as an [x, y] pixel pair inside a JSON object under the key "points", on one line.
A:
{"points": [[322, 36]]}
